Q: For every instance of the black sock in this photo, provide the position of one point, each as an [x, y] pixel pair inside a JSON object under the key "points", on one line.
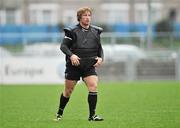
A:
{"points": [[92, 100], [62, 104]]}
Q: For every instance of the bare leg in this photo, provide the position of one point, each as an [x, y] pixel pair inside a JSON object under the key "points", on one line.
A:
{"points": [[69, 87], [91, 83], [64, 98]]}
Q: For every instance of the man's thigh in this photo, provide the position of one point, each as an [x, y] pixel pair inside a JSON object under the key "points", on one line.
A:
{"points": [[91, 82]]}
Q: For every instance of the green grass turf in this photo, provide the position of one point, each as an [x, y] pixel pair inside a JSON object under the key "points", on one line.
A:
{"points": [[123, 105]]}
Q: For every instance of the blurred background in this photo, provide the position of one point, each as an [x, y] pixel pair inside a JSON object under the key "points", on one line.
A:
{"points": [[141, 39]]}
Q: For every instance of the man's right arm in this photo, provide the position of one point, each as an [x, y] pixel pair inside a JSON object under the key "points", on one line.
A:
{"points": [[67, 42], [66, 45]]}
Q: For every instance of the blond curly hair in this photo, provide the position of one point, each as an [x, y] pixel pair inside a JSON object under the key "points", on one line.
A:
{"points": [[83, 10]]}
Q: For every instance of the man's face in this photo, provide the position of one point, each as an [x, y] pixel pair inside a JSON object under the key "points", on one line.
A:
{"points": [[86, 18]]}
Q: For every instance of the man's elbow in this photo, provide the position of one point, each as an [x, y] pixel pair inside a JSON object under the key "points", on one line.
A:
{"points": [[61, 47]]}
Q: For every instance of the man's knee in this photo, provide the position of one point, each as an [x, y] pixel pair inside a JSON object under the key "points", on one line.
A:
{"points": [[91, 82], [92, 87], [68, 92], [69, 87]]}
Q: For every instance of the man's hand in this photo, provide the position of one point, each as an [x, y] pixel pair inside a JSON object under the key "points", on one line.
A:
{"points": [[99, 62], [75, 60]]}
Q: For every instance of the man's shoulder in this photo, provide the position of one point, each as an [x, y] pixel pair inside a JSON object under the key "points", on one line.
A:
{"points": [[97, 28], [70, 28]]}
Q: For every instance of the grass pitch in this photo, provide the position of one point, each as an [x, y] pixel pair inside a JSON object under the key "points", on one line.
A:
{"points": [[122, 105]]}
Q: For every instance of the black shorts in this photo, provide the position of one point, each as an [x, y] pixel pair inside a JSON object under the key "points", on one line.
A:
{"points": [[85, 69]]}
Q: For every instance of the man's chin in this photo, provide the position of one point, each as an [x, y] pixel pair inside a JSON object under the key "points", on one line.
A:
{"points": [[86, 24]]}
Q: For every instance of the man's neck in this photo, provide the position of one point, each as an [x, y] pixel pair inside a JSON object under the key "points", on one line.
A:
{"points": [[84, 26]]}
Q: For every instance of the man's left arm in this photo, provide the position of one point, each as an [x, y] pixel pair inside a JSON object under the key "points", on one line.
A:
{"points": [[100, 57], [100, 52]]}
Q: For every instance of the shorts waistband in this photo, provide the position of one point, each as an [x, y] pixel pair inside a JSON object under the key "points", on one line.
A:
{"points": [[86, 58]]}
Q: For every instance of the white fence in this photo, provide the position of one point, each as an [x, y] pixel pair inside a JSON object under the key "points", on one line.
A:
{"points": [[50, 69]]}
